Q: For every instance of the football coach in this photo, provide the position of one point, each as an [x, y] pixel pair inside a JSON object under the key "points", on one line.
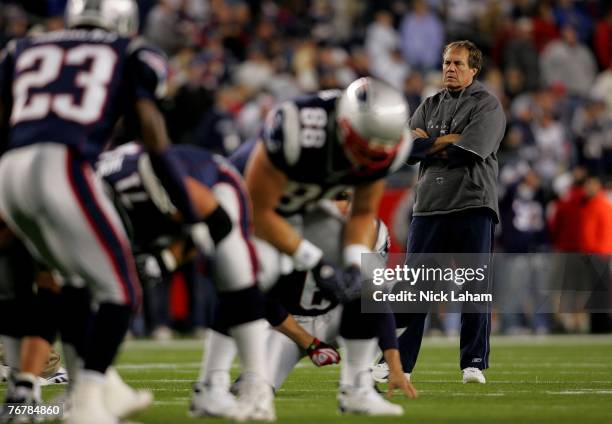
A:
{"points": [[457, 134]]}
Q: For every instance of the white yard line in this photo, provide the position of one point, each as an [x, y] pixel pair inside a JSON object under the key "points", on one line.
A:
{"points": [[562, 340], [580, 392], [158, 365]]}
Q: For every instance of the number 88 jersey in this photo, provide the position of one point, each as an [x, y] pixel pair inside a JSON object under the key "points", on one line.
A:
{"points": [[70, 87], [301, 139]]}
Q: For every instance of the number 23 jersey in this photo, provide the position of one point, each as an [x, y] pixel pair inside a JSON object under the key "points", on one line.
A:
{"points": [[301, 139], [70, 87]]}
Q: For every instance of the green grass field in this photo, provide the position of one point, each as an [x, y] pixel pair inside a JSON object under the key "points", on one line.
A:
{"points": [[559, 379]]}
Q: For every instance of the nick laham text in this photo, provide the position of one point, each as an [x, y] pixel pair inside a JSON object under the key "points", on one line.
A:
{"points": [[431, 296]]}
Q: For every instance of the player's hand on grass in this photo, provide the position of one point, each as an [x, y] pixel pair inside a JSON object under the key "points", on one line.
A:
{"points": [[398, 380]]}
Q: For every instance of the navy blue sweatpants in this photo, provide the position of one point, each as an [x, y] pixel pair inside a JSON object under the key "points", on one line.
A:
{"points": [[469, 231]]}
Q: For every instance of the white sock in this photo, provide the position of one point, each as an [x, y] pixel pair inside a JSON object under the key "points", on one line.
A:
{"points": [[31, 378], [219, 352], [12, 351], [251, 343], [358, 357], [91, 377], [73, 363]]}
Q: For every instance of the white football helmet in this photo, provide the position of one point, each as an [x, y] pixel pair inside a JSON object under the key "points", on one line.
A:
{"points": [[372, 119], [120, 16]]}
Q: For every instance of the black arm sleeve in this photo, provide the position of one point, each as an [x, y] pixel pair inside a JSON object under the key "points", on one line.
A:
{"points": [[219, 224], [458, 157], [420, 146], [386, 333]]}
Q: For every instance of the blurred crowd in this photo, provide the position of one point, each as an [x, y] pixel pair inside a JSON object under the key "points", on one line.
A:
{"points": [[549, 61]]}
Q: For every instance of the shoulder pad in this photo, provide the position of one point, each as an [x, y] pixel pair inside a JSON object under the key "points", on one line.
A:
{"points": [[155, 60], [154, 187], [281, 134]]}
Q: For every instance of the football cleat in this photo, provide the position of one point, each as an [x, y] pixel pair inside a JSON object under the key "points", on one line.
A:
{"points": [[59, 377], [162, 333], [88, 404], [364, 399], [380, 373], [5, 370], [121, 399], [473, 375], [22, 391], [211, 401], [255, 400]]}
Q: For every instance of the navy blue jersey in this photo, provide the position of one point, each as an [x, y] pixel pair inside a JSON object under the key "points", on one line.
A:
{"points": [[150, 227], [147, 216], [70, 87], [297, 292], [301, 140], [299, 296]]}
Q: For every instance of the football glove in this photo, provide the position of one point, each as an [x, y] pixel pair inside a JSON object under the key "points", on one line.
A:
{"points": [[340, 285], [322, 354], [154, 268]]}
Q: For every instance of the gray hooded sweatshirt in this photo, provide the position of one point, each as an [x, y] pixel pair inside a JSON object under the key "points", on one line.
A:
{"points": [[478, 116]]}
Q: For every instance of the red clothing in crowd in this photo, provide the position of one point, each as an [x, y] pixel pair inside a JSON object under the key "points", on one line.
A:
{"points": [[596, 225], [565, 223], [544, 31], [602, 42]]}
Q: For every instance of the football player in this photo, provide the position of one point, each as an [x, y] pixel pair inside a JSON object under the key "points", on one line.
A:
{"points": [[156, 235], [60, 96], [29, 320], [313, 148], [298, 293], [316, 317], [219, 196], [23, 322]]}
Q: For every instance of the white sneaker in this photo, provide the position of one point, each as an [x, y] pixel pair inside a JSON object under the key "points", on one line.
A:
{"points": [[88, 406], [24, 392], [380, 373], [473, 375], [209, 400], [162, 333], [255, 400], [60, 377], [5, 370], [364, 399], [122, 400]]}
